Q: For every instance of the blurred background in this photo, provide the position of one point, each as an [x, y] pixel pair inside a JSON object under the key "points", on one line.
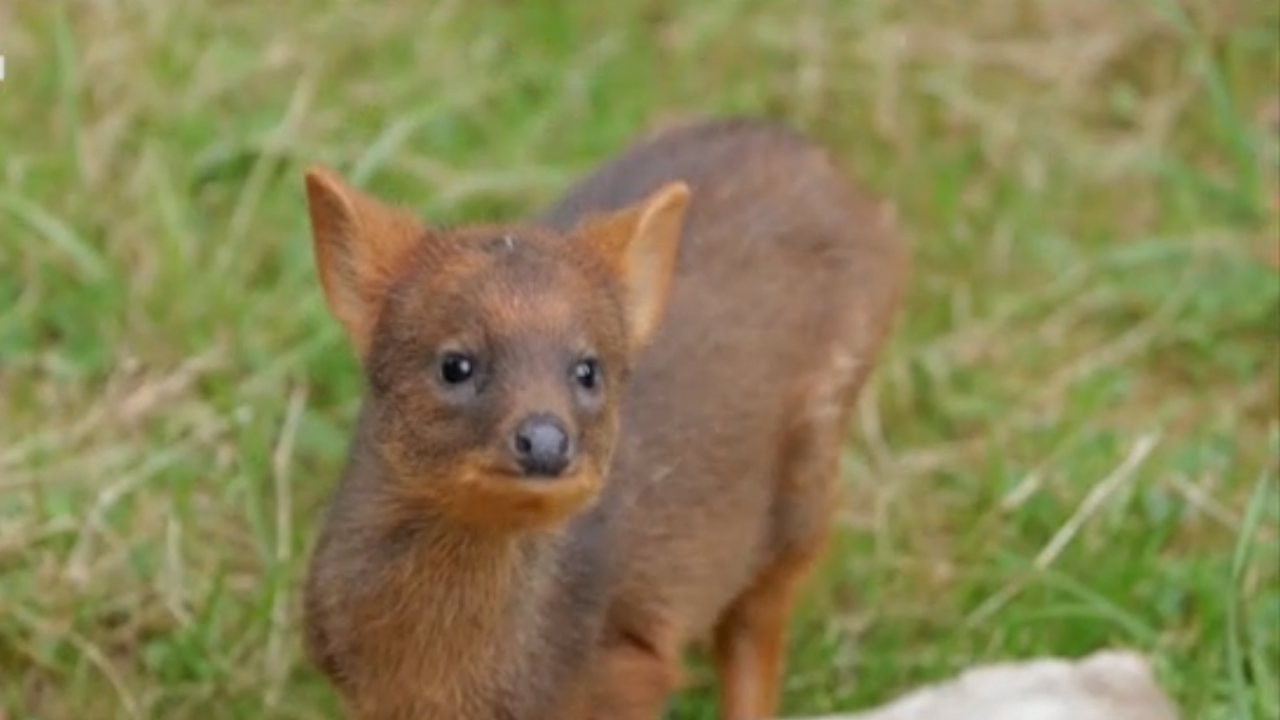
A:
{"points": [[1072, 443]]}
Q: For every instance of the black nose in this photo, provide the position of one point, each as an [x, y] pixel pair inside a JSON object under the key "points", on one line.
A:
{"points": [[542, 446]]}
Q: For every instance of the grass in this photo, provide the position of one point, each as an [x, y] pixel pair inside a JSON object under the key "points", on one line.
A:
{"points": [[1073, 442]]}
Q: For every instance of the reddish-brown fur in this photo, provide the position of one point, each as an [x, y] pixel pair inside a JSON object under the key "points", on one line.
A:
{"points": [[736, 289]]}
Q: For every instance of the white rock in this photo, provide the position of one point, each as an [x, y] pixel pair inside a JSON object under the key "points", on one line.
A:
{"points": [[1108, 685]]}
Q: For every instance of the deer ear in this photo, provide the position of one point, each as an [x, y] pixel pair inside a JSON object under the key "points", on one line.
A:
{"points": [[361, 245], [640, 244]]}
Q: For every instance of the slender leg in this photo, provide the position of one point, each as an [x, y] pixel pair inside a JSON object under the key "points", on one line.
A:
{"points": [[750, 644], [751, 636]]}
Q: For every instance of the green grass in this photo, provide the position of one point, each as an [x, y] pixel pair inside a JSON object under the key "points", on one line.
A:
{"points": [[1073, 442]]}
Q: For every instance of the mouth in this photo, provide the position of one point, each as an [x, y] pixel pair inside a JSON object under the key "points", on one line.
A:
{"points": [[512, 497]]}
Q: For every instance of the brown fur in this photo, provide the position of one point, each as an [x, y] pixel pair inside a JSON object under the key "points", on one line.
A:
{"points": [[737, 289]]}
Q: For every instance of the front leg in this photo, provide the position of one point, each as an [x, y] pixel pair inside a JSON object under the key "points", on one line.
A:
{"points": [[750, 646], [751, 635]]}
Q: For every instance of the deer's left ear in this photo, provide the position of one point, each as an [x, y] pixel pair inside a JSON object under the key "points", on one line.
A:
{"points": [[640, 244]]}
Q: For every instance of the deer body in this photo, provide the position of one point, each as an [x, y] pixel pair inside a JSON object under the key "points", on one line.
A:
{"points": [[657, 375]]}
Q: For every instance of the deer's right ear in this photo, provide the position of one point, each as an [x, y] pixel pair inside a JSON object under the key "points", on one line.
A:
{"points": [[361, 245]]}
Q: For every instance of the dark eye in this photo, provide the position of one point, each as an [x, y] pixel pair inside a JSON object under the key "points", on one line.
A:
{"points": [[587, 373], [456, 368]]}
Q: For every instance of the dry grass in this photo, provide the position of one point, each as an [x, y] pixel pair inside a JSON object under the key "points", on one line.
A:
{"points": [[1073, 442]]}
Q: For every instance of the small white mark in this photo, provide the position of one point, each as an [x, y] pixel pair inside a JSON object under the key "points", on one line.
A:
{"points": [[827, 395]]}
